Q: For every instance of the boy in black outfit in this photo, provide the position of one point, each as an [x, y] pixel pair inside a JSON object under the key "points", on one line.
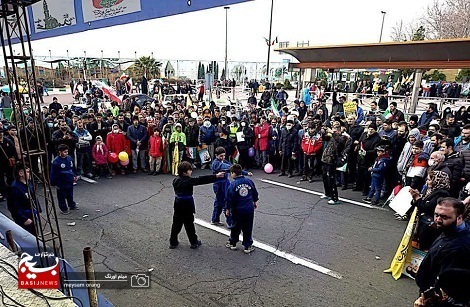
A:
{"points": [[184, 203]]}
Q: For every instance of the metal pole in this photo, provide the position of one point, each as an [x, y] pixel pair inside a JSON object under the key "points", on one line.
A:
{"points": [[269, 43], [382, 28], [11, 241], [90, 276], [415, 92], [119, 59], [226, 38], [102, 74], [84, 66]]}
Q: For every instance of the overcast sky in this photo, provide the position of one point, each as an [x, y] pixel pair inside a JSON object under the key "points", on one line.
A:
{"points": [[201, 35]]}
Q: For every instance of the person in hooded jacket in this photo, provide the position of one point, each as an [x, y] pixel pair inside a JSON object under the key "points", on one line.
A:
{"points": [[416, 169], [405, 155], [261, 133], [288, 147]]}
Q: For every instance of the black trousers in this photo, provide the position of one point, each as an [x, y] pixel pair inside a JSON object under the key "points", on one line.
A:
{"points": [[329, 181], [287, 162], [309, 165], [183, 217]]}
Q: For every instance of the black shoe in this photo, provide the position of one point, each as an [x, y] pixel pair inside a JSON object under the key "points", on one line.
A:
{"points": [[173, 246], [196, 245], [155, 173], [150, 173], [289, 176], [344, 188], [282, 174], [74, 208]]}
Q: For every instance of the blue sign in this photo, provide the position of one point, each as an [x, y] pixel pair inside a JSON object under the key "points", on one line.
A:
{"points": [[51, 18]]}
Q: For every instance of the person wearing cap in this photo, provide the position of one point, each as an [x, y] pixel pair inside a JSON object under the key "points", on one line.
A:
{"points": [[288, 147], [116, 143], [367, 155], [55, 105], [177, 147], [99, 153], [137, 135], [22, 202], [378, 172]]}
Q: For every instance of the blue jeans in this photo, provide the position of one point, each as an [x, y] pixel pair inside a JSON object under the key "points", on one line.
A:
{"points": [[220, 190], [376, 188]]}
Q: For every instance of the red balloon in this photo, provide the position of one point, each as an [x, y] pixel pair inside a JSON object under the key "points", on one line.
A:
{"points": [[113, 157]]}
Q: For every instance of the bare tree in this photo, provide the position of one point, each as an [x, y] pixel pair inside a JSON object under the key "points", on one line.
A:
{"points": [[402, 32], [447, 19]]}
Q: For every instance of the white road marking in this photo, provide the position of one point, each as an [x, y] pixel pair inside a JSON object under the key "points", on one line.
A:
{"points": [[317, 193], [86, 179], [271, 249]]}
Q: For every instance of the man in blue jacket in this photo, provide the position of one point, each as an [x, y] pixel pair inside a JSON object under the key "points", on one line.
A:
{"points": [[63, 176], [221, 185], [137, 134], [242, 199]]}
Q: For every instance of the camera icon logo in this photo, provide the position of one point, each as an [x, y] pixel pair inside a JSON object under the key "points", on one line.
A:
{"points": [[140, 281]]}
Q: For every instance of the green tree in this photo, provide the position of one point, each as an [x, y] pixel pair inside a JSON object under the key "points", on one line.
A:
{"points": [[435, 76], [463, 75], [216, 71], [199, 66], [147, 66], [419, 34], [222, 75]]}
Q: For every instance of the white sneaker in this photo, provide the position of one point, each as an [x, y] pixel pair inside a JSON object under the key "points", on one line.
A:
{"points": [[333, 202], [325, 197], [229, 245], [249, 249]]}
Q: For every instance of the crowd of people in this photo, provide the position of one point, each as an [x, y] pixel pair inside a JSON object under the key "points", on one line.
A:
{"points": [[371, 152]]}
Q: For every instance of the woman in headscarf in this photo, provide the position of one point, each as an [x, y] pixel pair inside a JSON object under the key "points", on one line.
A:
{"points": [[461, 116], [437, 186]]}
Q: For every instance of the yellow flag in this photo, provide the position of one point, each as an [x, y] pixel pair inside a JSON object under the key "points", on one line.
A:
{"points": [[404, 250]]}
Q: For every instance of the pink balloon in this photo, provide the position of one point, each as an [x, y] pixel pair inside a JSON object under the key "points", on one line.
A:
{"points": [[124, 163], [268, 168]]}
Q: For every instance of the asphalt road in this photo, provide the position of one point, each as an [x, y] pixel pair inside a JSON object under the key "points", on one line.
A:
{"points": [[130, 234]]}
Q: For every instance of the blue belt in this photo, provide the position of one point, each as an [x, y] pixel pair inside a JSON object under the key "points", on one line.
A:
{"points": [[183, 196]]}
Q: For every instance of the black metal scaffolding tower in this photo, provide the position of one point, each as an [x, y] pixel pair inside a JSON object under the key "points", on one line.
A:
{"points": [[14, 28]]}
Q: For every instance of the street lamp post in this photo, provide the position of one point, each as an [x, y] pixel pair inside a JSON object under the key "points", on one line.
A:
{"points": [[269, 42], [84, 65], [226, 40], [382, 28], [102, 74], [119, 60]]}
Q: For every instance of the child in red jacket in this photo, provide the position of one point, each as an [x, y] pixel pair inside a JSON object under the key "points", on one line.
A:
{"points": [[311, 146], [155, 152], [100, 156]]}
